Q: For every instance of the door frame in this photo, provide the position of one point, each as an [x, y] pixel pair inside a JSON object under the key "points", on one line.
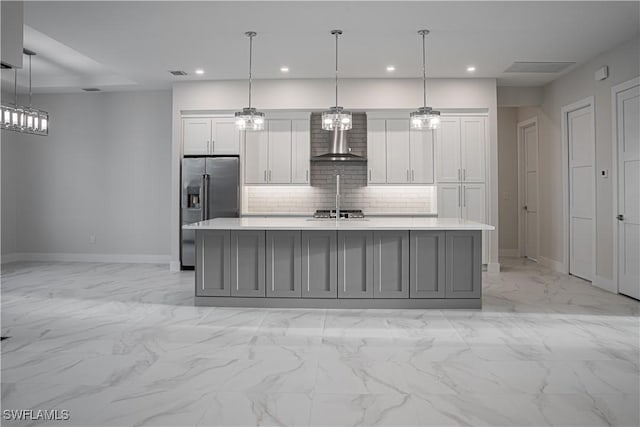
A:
{"points": [[522, 183], [615, 90], [585, 102]]}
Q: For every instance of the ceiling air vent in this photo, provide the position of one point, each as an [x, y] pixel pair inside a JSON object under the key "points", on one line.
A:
{"points": [[538, 67], [91, 89], [178, 73]]}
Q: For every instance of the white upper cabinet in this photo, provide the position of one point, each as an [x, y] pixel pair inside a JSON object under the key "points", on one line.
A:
{"points": [[472, 137], [398, 155], [421, 156], [376, 151], [300, 151], [256, 157], [279, 152], [448, 150], [460, 149], [196, 136], [278, 155], [225, 137], [207, 135]]}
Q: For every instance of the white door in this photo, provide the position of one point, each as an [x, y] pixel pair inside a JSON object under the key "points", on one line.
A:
{"points": [[300, 151], [449, 201], [256, 155], [581, 176], [472, 148], [530, 189], [279, 152], [398, 166], [421, 156], [628, 134], [448, 167], [376, 151], [196, 136], [225, 136]]}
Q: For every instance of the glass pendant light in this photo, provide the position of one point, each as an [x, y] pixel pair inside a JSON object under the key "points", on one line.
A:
{"points": [[24, 119], [249, 118], [336, 117], [425, 118]]}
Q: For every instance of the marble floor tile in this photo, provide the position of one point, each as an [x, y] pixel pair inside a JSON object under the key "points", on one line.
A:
{"points": [[123, 345]]}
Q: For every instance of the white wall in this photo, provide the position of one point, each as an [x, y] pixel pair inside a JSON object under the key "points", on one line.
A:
{"points": [[103, 170], [318, 94], [624, 64], [508, 179]]}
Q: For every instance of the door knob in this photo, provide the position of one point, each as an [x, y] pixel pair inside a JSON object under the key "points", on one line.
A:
{"points": [[620, 217]]}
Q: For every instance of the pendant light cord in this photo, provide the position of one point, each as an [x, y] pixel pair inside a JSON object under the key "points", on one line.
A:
{"points": [[15, 86], [337, 34], [30, 81], [250, 63], [424, 68]]}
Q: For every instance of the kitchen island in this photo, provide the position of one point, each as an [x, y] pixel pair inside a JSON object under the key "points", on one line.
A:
{"points": [[376, 262]]}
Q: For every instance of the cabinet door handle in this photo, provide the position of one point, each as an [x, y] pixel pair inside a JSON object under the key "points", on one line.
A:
{"points": [[407, 175], [269, 175], [464, 174], [459, 197], [413, 175], [212, 145], [265, 175], [459, 175], [464, 196], [369, 174], [208, 144]]}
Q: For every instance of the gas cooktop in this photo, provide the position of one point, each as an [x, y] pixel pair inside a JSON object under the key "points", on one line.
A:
{"points": [[347, 213]]}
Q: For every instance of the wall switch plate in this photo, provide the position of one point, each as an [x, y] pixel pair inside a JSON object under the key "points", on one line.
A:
{"points": [[604, 173], [92, 239]]}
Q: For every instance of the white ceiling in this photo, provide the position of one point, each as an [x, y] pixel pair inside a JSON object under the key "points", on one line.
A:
{"points": [[132, 45]]}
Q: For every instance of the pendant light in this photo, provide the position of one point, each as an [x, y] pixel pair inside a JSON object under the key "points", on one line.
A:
{"points": [[24, 119], [336, 117], [425, 118], [249, 118]]}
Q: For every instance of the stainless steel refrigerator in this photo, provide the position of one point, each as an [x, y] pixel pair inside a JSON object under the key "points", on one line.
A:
{"points": [[210, 188]]}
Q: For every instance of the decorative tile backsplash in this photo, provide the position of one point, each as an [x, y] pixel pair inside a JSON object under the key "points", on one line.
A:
{"points": [[387, 199]]}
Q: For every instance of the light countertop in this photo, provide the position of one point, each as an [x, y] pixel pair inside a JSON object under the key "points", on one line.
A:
{"points": [[307, 223]]}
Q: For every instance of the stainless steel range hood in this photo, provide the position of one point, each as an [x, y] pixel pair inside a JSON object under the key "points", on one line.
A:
{"points": [[339, 150]]}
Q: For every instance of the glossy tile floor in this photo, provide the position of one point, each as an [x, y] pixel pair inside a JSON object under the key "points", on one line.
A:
{"points": [[122, 345]]}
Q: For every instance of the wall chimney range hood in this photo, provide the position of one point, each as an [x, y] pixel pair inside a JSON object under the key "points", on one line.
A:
{"points": [[338, 150]]}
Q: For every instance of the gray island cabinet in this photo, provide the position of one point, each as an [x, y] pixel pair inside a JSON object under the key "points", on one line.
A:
{"points": [[376, 263]]}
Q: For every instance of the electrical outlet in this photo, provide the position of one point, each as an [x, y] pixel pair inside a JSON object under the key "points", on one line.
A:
{"points": [[92, 239]]}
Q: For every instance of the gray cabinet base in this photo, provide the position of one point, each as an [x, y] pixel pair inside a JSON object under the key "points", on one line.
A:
{"points": [[391, 303]]}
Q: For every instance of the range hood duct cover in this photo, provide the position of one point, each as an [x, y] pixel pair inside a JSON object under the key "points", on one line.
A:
{"points": [[338, 150]]}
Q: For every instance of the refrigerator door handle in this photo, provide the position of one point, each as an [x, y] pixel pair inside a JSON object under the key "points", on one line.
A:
{"points": [[204, 201]]}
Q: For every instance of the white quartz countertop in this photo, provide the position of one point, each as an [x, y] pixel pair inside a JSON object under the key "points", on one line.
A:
{"points": [[306, 223]]}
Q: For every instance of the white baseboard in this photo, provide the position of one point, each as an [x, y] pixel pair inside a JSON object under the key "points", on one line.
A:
{"points": [[606, 284], [493, 267], [174, 266], [509, 252], [103, 258], [551, 263]]}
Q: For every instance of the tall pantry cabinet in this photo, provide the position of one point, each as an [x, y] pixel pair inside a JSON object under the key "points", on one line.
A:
{"points": [[461, 170]]}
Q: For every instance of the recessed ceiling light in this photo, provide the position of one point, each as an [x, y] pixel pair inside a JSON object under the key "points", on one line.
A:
{"points": [[199, 71], [391, 68], [284, 69], [471, 69]]}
